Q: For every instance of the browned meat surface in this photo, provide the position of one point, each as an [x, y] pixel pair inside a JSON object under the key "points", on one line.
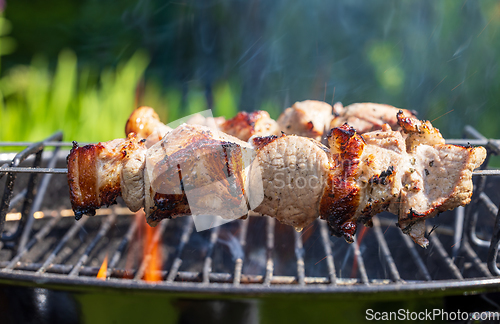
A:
{"points": [[387, 171], [193, 170], [366, 117], [196, 170], [309, 118], [245, 125], [145, 122], [95, 175], [287, 178]]}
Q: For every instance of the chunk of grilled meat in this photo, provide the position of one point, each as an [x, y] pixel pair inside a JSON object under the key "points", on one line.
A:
{"points": [[366, 117], [245, 125], [194, 170], [309, 118], [98, 172], [411, 173], [287, 178], [144, 121]]}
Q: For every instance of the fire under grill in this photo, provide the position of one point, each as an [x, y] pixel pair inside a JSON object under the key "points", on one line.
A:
{"points": [[43, 245]]}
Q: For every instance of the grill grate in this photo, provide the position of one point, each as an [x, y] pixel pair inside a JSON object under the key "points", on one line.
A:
{"points": [[254, 255]]}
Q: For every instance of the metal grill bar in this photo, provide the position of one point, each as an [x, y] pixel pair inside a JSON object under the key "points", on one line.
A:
{"points": [[360, 262], [299, 254], [69, 234], [393, 270], [493, 249], [493, 209], [5, 165], [186, 234], [475, 259], [17, 198], [436, 243], [459, 228], [472, 132], [327, 244], [483, 198], [207, 263], [188, 276], [269, 251], [472, 229], [238, 266], [38, 201], [415, 256], [105, 225], [39, 236], [123, 244], [466, 142]]}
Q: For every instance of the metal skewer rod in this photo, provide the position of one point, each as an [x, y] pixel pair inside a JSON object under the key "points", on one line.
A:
{"points": [[64, 171], [33, 170]]}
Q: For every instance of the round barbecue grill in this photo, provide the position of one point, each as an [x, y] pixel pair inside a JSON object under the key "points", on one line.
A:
{"points": [[247, 271]]}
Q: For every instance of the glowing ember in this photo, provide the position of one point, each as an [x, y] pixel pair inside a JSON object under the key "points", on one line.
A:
{"points": [[104, 268], [152, 251]]}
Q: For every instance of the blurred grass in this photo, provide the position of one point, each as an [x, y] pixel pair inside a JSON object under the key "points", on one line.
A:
{"points": [[89, 106], [84, 105]]}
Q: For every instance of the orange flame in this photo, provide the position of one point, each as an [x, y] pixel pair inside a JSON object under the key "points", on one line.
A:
{"points": [[133, 255], [104, 268], [153, 250]]}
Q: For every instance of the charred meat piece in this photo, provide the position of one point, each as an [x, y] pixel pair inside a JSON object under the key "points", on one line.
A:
{"points": [[309, 118], [378, 171], [96, 174], [418, 132], [245, 125], [366, 117]]}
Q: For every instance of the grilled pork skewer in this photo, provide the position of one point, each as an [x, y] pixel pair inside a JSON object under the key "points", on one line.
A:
{"points": [[193, 170]]}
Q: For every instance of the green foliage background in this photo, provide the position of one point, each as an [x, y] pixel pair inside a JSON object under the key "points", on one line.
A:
{"points": [[82, 67]]}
